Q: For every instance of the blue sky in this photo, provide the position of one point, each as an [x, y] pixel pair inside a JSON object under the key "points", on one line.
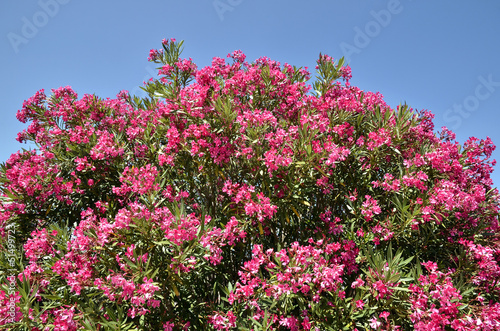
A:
{"points": [[435, 55]]}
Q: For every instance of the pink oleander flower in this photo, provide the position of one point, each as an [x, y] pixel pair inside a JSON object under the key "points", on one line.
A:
{"points": [[370, 208]]}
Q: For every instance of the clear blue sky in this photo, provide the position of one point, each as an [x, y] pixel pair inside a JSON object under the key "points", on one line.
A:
{"points": [[437, 55]]}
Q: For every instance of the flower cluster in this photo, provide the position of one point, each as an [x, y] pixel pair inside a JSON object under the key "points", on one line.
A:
{"points": [[436, 304]]}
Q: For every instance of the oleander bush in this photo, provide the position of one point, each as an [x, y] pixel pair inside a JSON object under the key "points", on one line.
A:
{"points": [[242, 196]]}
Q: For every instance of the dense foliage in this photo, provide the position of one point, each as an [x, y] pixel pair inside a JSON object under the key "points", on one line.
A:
{"points": [[237, 196]]}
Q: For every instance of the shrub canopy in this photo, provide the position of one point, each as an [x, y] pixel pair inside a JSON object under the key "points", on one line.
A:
{"points": [[237, 196]]}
